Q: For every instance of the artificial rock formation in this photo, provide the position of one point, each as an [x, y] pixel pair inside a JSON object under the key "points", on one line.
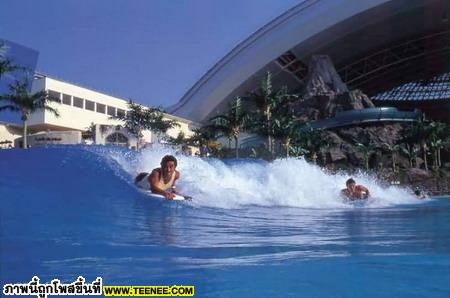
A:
{"points": [[323, 78], [325, 94]]}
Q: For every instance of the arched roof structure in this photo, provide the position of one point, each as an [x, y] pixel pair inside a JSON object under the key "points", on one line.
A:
{"points": [[374, 44]]}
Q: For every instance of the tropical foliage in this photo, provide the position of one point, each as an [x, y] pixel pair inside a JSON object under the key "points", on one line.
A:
{"points": [[428, 135], [139, 118], [410, 151], [20, 100], [205, 138], [286, 128], [393, 150], [267, 102], [6, 65], [367, 149], [268, 112], [231, 123], [313, 141]]}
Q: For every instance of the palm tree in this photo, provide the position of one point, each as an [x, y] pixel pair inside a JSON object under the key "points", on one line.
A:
{"points": [[424, 132], [267, 99], [232, 122], [439, 133], [89, 132], [366, 149], [19, 99], [392, 149], [139, 118], [286, 128], [411, 151], [313, 141], [6, 65], [436, 145], [205, 139], [297, 150], [179, 140], [420, 133]]}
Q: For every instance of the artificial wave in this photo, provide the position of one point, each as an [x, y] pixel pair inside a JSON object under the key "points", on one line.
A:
{"points": [[73, 210], [290, 182], [212, 182]]}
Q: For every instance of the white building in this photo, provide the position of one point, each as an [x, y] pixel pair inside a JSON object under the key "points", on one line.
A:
{"points": [[80, 109], [8, 133]]}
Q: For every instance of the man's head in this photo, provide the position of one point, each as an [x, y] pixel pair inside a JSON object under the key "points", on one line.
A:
{"points": [[168, 164], [417, 191], [350, 183]]}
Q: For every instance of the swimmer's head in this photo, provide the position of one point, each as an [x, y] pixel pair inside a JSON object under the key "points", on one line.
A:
{"points": [[168, 158], [168, 164], [417, 191], [350, 183]]}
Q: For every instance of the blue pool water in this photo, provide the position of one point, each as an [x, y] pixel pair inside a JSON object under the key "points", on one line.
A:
{"points": [[254, 229]]}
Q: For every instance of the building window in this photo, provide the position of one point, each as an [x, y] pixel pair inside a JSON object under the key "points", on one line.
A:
{"points": [[89, 105], [67, 99], [117, 138], [111, 111], [120, 113], [101, 108], [78, 102], [54, 96]]}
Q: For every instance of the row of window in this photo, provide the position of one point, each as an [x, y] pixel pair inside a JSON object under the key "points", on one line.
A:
{"points": [[437, 87], [85, 104]]}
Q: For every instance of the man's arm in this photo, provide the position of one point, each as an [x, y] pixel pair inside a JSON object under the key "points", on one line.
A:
{"points": [[177, 176], [366, 190], [153, 179], [363, 191]]}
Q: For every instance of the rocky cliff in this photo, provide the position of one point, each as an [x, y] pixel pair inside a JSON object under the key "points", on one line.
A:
{"points": [[325, 94]]}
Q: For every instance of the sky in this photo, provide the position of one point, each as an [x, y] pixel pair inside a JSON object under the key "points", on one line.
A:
{"points": [[150, 51]]}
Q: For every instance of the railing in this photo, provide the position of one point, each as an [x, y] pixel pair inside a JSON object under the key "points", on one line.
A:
{"points": [[353, 117], [370, 115]]}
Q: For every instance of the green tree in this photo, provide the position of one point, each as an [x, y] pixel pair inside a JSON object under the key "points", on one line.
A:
{"points": [[205, 138], [286, 128], [439, 134], [179, 140], [297, 150], [266, 100], [89, 132], [232, 122], [366, 149], [428, 133], [393, 149], [312, 141], [436, 145], [6, 65], [20, 100], [139, 118], [411, 151]]}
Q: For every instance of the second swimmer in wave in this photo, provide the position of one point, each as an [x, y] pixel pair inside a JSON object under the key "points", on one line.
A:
{"points": [[354, 191]]}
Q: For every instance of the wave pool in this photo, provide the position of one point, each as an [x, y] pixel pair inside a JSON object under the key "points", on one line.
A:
{"points": [[254, 229]]}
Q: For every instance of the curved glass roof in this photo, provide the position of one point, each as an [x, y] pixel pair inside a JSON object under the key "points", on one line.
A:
{"points": [[436, 88]]}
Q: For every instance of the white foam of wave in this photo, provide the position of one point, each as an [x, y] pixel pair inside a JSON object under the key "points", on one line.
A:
{"points": [[283, 182]]}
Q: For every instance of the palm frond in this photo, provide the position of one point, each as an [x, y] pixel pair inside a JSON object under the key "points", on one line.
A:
{"points": [[52, 110]]}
